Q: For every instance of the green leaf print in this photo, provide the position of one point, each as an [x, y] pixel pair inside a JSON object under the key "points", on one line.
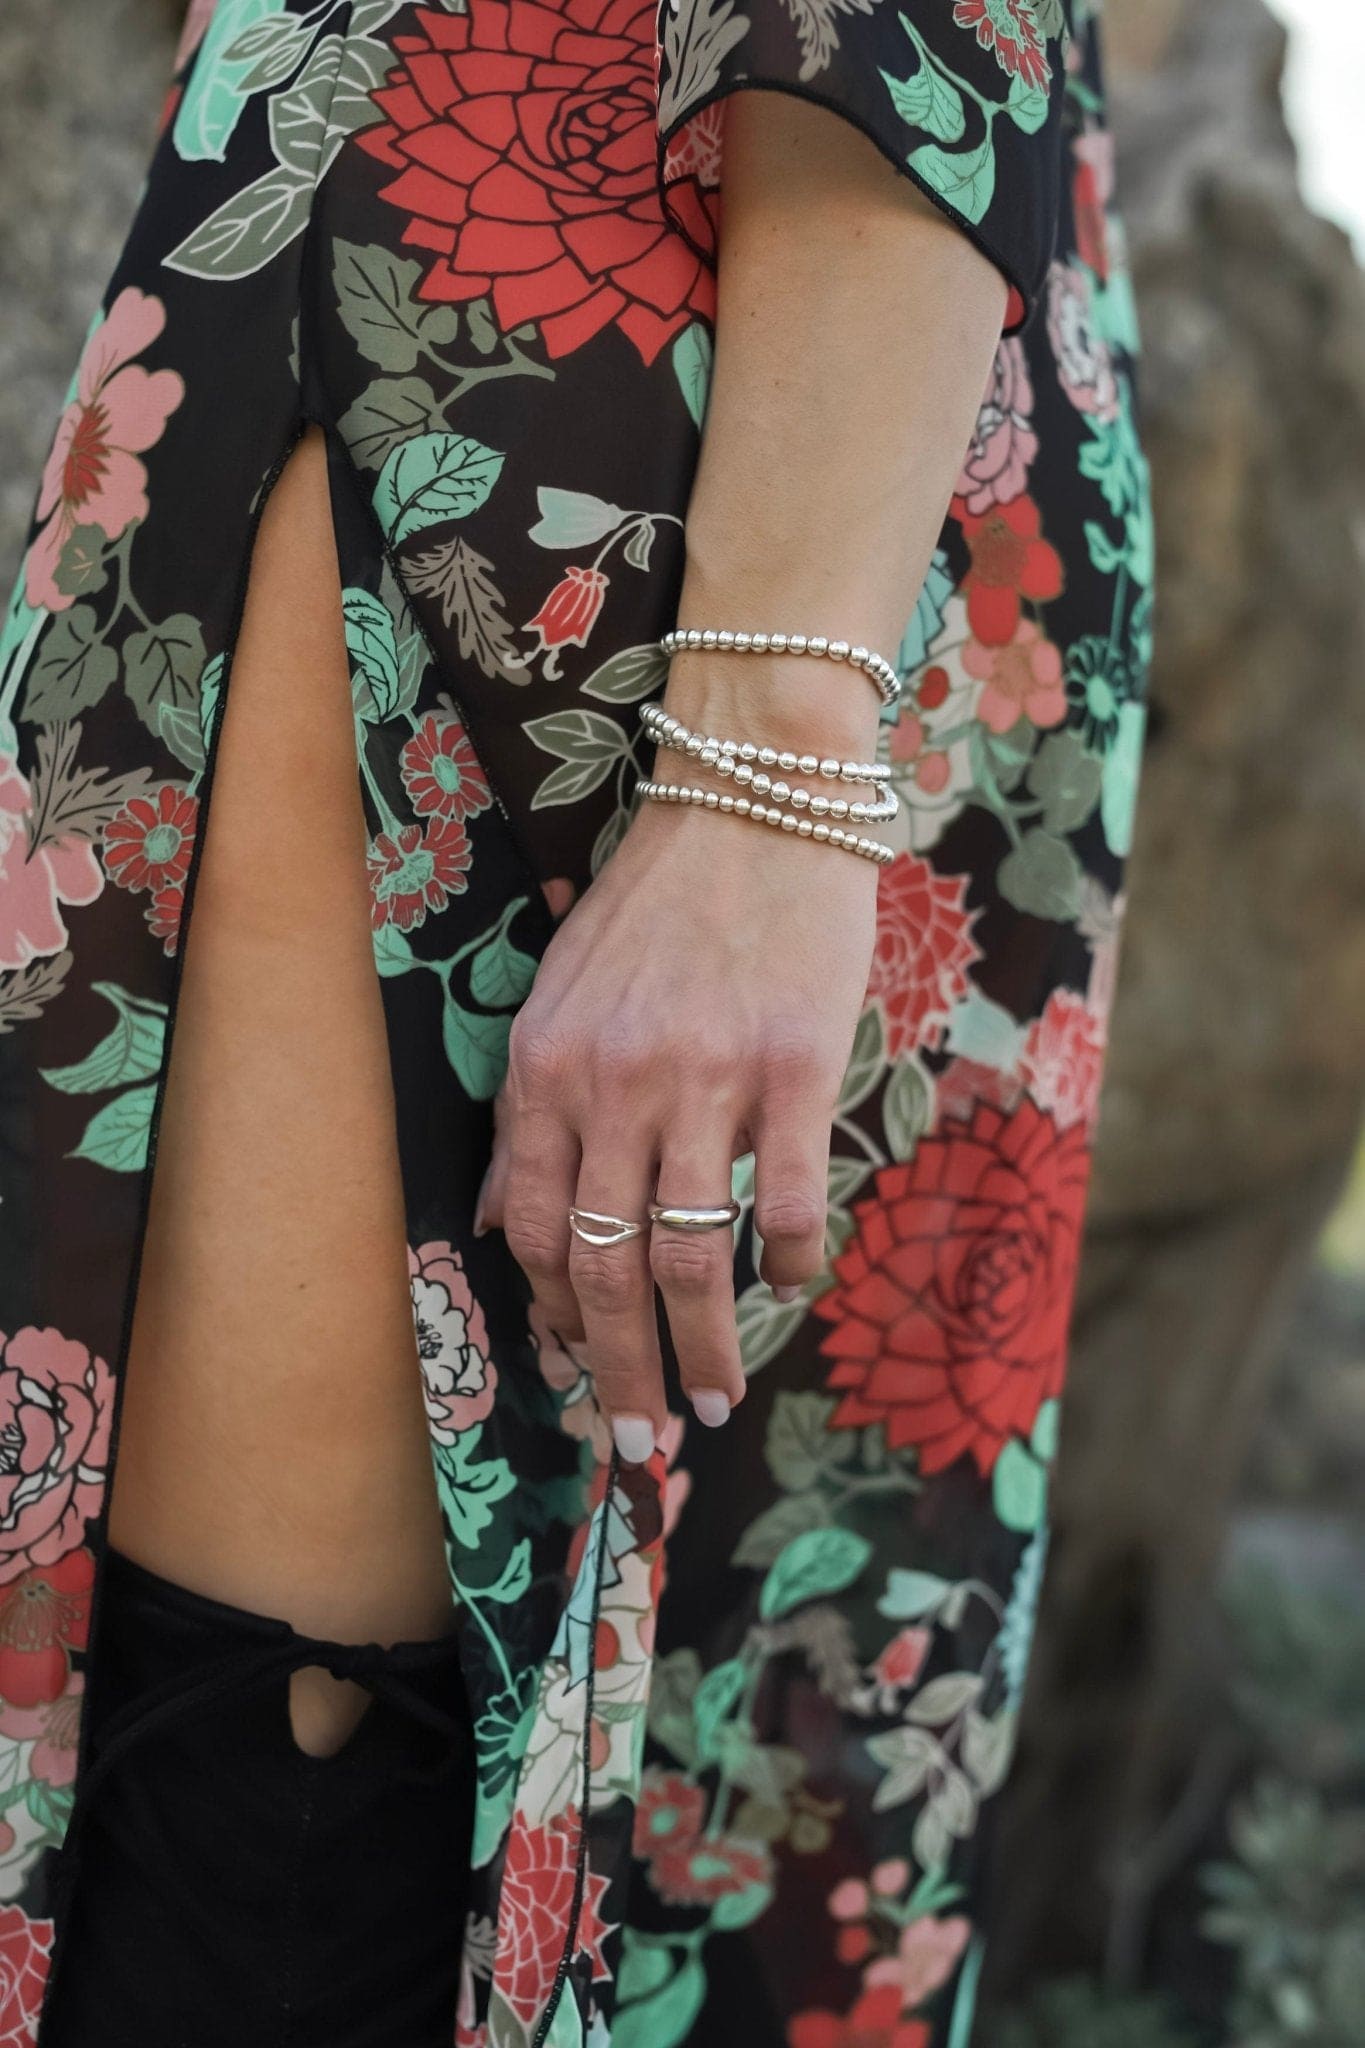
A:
{"points": [[716, 1698], [867, 1061], [116, 1136], [1019, 1486], [693, 361], [470, 1487], [765, 1324], [1027, 104], [329, 102], [214, 96], [801, 1447], [1122, 766], [500, 973], [511, 1581], [376, 295], [1042, 876], [476, 1048], [432, 479], [930, 101], [210, 690], [73, 670], [269, 52], [131, 1052], [664, 2018], [387, 413], [572, 519], [910, 1594], [243, 234], [588, 743], [178, 726], [634, 673], [907, 1106], [767, 1537], [965, 179], [163, 664], [821, 1562], [1065, 777], [372, 645]]}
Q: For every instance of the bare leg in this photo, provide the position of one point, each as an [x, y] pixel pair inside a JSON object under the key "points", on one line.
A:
{"points": [[273, 1447]]}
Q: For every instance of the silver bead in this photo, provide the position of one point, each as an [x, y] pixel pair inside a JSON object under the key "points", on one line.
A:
{"points": [[819, 832], [789, 823], [748, 751], [819, 806], [762, 784], [708, 639], [838, 650], [808, 764], [796, 643], [838, 807], [725, 765], [804, 827], [777, 643], [836, 837], [780, 792], [760, 643], [819, 645], [727, 803], [858, 656], [743, 807], [712, 800], [786, 762], [725, 640], [768, 756], [710, 754], [800, 798], [830, 770], [744, 773], [743, 642]]}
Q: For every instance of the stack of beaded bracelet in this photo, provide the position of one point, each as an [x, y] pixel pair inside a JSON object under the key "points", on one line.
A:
{"points": [[747, 764], [720, 641]]}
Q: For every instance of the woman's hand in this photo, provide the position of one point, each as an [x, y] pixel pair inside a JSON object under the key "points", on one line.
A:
{"points": [[698, 1003]]}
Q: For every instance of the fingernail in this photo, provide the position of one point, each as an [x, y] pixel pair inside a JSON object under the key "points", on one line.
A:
{"points": [[634, 1436], [786, 1294], [480, 1216], [712, 1408]]}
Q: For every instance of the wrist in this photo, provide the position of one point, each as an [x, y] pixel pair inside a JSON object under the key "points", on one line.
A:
{"points": [[804, 702]]}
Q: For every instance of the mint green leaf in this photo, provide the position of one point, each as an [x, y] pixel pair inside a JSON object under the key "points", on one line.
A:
{"points": [[733, 1910], [1019, 1486], [716, 1697], [372, 646], [469, 1486], [177, 727], [768, 1536], [800, 1446], [929, 101], [964, 178], [476, 1048], [1122, 768], [867, 1061], [693, 360], [392, 952], [131, 1052], [207, 116], [431, 479], [572, 519], [1046, 1431], [116, 1136], [210, 690], [1027, 104], [501, 973], [511, 1581], [766, 1324], [664, 2018], [910, 1595], [821, 1562]]}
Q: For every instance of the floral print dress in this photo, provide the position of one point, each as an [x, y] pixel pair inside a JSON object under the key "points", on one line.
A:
{"points": [[741, 1715]]}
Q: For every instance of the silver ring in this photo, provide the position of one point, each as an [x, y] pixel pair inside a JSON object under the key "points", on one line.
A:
{"points": [[603, 1229], [718, 1218]]}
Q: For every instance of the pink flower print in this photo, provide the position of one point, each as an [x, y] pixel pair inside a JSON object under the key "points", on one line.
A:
{"points": [[458, 1378], [1023, 680], [34, 885], [56, 1402], [1084, 365], [1003, 442], [928, 1953], [53, 1727], [94, 476]]}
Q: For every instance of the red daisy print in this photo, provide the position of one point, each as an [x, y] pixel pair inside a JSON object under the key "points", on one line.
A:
{"points": [[414, 871], [1010, 561], [148, 844], [164, 914], [1010, 28], [953, 1298], [441, 772], [523, 140], [670, 1809], [924, 948], [538, 1887], [707, 1868], [44, 1616], [875, 2022], [25, 1946]]}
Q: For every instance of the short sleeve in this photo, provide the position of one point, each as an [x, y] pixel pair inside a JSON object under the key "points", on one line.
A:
{"points": [[963, 96]]}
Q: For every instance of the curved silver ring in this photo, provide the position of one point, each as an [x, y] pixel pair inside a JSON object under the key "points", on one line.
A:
{"points": [[594, 1228], [718, 1218]]}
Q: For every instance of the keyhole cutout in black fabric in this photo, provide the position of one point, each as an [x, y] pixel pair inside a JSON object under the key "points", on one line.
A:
{"points": [[325, 1712]]}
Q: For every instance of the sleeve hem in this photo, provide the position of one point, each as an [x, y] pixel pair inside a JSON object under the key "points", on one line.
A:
{"points": [[1023, 294]]}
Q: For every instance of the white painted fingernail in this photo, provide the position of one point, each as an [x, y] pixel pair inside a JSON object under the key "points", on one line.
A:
{"points": [[786, 1294], [634, 1436], [712, 1408]]}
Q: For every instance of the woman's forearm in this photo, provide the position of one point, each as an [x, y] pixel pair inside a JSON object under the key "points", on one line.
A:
{"points": [[855, 332]]}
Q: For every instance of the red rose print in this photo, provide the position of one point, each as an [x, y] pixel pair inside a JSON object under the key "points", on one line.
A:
{"points": [[441, 772], [148, 844], [924, 948], [568, 614], [44, 1616], [523, 139], [670, 1809], [537, 1909], [707, 1868], [25, 1946], [1010, 561], [1063, 1063], [412, 872], [875, 2022], [953, 1297], [56, 1401], [1009, 28]]}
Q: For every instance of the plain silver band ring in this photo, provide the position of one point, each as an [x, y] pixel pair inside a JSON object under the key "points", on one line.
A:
{"points": [[719, 1218], [595, 1228]]}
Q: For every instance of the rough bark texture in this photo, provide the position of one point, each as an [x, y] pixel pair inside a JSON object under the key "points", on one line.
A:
{"points": [[1238, 1063]]}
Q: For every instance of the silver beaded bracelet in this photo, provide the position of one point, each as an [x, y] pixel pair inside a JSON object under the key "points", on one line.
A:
{"points": [[768, 814], [725, 756], [713, 640], [667, 731]]}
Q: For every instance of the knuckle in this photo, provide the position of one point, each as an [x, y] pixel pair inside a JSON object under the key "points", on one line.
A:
{"points": [[684, 1265], [792, 1216], [538, 1059], [620, 1059], [535, 1238], [793, 1062], [602, 1278]]}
